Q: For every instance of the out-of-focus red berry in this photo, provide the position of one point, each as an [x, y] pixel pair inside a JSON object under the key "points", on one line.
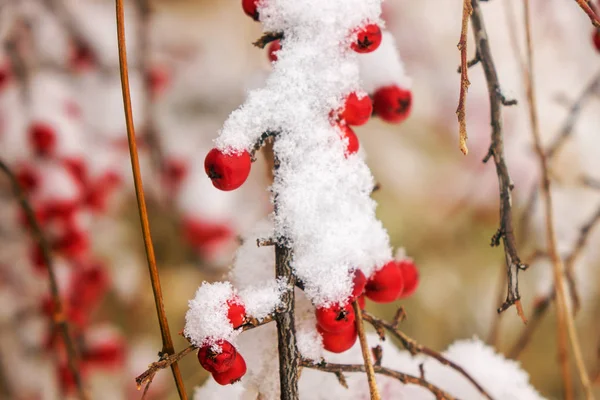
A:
{"points": [[596, 39], [392, 103], [42, 138]]}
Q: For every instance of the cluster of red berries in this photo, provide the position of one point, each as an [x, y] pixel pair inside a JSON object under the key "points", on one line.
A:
{"points": [[221, 359], [336, 323]]}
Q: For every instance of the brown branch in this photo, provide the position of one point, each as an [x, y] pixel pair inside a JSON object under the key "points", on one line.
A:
{"points": [[574, 111], [413, 347], [505, 233], [58, 316], [541, 306], [289, 359], [584, 4], [404, 378], [464, 77], [565, 323], [139, 190], [364, 346], [268, 38]]}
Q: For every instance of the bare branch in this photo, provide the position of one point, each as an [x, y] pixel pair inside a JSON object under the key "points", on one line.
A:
{"points": [[58, 315], [404, 378], [505, 232], [268, 38], [585, 6], [464, 77], [413, 347], [364, 346]]}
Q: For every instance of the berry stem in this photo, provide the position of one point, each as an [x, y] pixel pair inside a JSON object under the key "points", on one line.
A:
{"points": [[139, 191], [364, 346]]}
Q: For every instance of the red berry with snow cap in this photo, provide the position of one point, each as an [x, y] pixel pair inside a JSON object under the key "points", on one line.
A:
{"points": [[386, 284], [274, 47], [42, 138], [368, 39], [233, 374], [217, 361], [338, 342], [251, 8], [335, 318], [392, 103], [236, 312], [228, 171], [357, 110], [410, 276]]}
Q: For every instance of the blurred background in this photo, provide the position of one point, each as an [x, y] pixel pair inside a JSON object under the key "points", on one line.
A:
{"points": [[62, 134]]}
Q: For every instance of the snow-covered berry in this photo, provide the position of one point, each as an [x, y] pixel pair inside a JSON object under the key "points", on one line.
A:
{"points": [[359, 281], [357, 110], [236, 312], [368, 39], [272, 50], [335, 318], [228, 171], [350, 138], [217, 358]]}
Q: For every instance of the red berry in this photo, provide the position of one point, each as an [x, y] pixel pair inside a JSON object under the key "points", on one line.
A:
{"points": [[5, 76], [596, 39], [233, 374], [77, 168], [217, 361], [227, 171], [28, 179], [340, 341], [357, 111], [274, 47], [251, 8], [42, 138], [368, 39], [174, 172], [158, 80], [236, 312], [350, 138], [410, 276], [386, 284], [81, 58], [205, 236], [362, 302], [107, 354], [359, 280], [335, 318], [392, 103], [72, 244]]}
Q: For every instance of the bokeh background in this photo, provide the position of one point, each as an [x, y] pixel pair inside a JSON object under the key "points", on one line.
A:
{"points": [[192, 63]]}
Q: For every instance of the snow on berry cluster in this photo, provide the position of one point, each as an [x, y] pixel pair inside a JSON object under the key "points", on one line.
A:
{"points": [[321, 190]]}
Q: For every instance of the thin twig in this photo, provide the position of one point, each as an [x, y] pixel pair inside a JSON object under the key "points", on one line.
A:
{"points": [[364, 346], [505, 232], [464, 76], [404, 378], [584, 4], [268, 38], [58, 316], [413, 347], [541, 305], [574, 111], [139, 191], [564, 317]]}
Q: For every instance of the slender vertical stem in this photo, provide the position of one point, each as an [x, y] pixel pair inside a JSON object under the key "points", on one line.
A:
{"points": [[139, 191], [58, 315], [566, 325], [364, 346], [289, 359]]}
